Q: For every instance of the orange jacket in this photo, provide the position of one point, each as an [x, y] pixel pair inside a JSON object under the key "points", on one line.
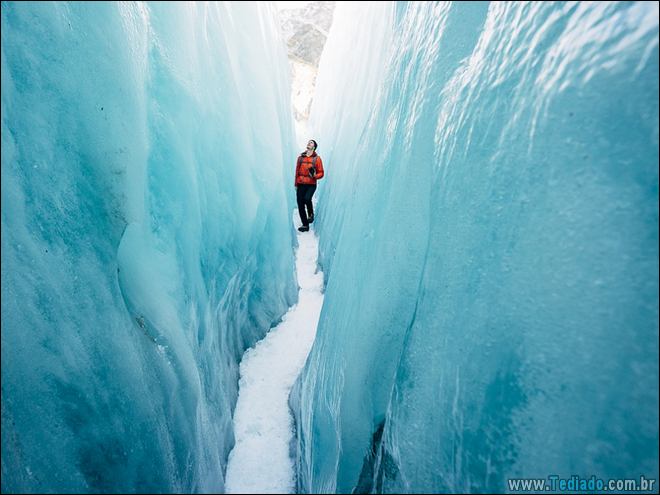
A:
{"points": [[303, 165]]}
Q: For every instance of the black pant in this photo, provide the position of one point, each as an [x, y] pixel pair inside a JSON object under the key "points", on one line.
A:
{"points": [[304, 195]]}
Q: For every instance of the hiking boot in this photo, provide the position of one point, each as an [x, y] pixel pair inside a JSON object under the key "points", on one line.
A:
{"points": [[311, 218], [304, 228]]}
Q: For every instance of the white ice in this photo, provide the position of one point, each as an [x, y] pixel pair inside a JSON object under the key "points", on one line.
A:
{"points": [[263, 426]]}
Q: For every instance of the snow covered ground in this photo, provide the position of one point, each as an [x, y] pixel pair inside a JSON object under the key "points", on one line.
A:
{"points": [[260, 461]]}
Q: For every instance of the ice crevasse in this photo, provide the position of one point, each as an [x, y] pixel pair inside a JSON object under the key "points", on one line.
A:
{"points": [[488, 228], [146, 236]]}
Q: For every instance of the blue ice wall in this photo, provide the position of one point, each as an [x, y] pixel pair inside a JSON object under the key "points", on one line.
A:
{"points": [[489, 232], [146, 236]]}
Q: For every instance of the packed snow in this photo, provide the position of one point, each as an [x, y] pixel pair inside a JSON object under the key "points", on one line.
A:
{"points": [[263, 426]]}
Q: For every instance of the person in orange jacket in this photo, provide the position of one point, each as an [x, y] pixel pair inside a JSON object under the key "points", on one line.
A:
{"points": [[309, 169]]}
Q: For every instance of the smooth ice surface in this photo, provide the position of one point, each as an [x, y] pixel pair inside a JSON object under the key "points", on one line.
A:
{"points": [[489, 234], [261, 460], [146, 236]]}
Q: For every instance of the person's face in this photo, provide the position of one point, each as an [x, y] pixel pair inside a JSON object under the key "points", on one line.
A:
{"points": [[310, 146]]}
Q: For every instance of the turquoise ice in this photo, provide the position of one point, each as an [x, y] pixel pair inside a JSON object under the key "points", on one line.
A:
{"points": [[146, 236], [488, 228], [491, 201]]}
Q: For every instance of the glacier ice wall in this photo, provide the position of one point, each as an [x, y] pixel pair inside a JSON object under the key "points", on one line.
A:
{"points": [[491, 201], [146, 236]]}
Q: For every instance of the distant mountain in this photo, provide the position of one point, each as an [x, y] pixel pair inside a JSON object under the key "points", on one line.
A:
{"points": [[306, 29]]}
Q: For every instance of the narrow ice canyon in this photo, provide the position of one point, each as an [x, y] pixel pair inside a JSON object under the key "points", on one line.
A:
{"points": [[483, 265]]}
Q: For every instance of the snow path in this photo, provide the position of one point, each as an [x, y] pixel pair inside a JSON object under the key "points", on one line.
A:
{"points": [[263, 426]]}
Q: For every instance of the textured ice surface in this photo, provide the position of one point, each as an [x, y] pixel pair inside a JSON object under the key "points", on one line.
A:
{"points": [[489, 235], [146, 236]]}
